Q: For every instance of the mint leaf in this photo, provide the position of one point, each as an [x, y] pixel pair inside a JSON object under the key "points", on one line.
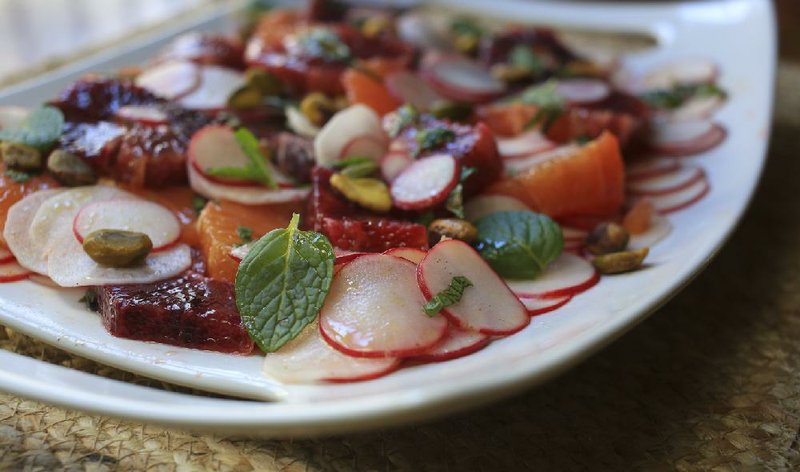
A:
{"points": [[245, 234], [432, 138], [449, 296], [518, 244], [282, 283], [198, 203], [41, 129]]}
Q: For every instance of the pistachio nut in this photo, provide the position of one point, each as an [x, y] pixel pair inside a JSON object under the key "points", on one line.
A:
{"points": [[369, 193], [20, 156], [606, 238], [69, 169], [117, 248], [617, 262], [453, 228]]}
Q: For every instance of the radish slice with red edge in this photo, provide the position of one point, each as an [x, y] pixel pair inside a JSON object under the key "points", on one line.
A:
{"points": [[464, 80], [12, 116], [43, 280], [696, 108], [171, 80], [343, 127], [583, 91], [651, 168], [660, 228], [366, 145], [13, 272], [456, 343], [408, 87], [524, 145], [216, 146], [683, 198], [684, 71], [488, 306], [142, 114], [6, 255], [394, 163], [216, 85], [374, 309], [668, 132], [409, 253], [567, 275], [670, 182], [482, 205], [425, 183], [29, 252], [715, 135], [142, 216], [309, 358], [540, 306], [246, 195]]}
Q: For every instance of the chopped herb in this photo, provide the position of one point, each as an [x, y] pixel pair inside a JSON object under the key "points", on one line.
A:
{"points": [[245, 234], [550, 104], [675, 97], [432, 138], [19, 176], [447, 297], [89, 298], [257, 170], [198, 203], [402, 118], [524, 58], [455, 201], [323, 43]]}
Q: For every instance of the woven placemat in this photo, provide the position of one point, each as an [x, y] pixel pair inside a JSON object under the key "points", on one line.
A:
{"points": [[711, 381]]}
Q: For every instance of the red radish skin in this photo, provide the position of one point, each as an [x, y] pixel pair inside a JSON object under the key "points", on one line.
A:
{"points": [[672, 182], [344, 259], [540, 306], [524, 145], [216, 146], [582, 91], [488, 307], [456, 343], [346, 125], [371, 146], [651, 168], [309, 358], [409, 253], [461, 79], [568, 275], [142, 115], [142, 216], [394, 163], [6, 255], [13, 272], [709, 140], [171, 80], [425, 183], [374, 309], [408, 87], [684, 198]]}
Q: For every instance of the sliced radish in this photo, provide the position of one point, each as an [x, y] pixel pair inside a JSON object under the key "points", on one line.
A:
{"points": [[666, 183], [697, 108], [715, 135], [684, 71], [540, 306], [462, 79], [6, 255], [422, 30], [456, 343], [142, 114], [425, 183], [571, 234], [216, 85], [660, 228], [171, 80], [583, 91], [521, 164], [13, 272], [524, 145], [28, 252], [12, 116], [216, 146], [43, 280], [394, 163], [674, 201], [300, 124], [345, 258], [246, 195], [567, 275], [409, 253], [651, 168], [238, 253], [374, 309], [142, 216], [408, 87], [488, 306], [308, 358], [482, 205], [668, 132], [367, 145], [342, 128]]}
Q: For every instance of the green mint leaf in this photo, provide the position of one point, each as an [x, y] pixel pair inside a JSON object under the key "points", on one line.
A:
{"points": [[518, 244], [466, 172], [282, 283], [678, 95], [431, 138], [245, 234], [41, 129], [449, 296], [18, 176], [258, 161], [524, 58], [198, 203]]}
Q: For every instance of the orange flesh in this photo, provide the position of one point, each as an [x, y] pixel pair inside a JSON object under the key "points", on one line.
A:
{"points": [[588, 182], [639, 217], [217, 227], [361, 88], [11, 192], [507, 119]]}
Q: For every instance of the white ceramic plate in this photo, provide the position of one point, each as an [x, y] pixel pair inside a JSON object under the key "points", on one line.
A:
{"points": [[739, 35]]}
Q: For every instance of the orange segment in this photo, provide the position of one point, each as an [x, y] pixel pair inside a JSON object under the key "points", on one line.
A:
{"points": [[508, 119], [361, 88], [639, 217], [588, 182], [11, 192], [217, 227]]}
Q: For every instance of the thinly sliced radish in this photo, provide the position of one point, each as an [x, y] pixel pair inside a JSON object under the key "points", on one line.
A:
{"points": [[462, 79], [425, 183], [28, 252], [573, 234], [517, 165], [216, 85], [238, 253], [424, 31], [697, 108], [684, 71], [409, 253], [342, 128], [12, 116], [216, 146], [43, 280], [308, 358], [583, 91], [660, 228], [524, 145], [456, 343], [540, 306], [342, 259], [488, 306], [374, 309], [13, 272], [666, 183], [171, 80], [142, 216], [650, 168], [482, 205], [394, 163], [567, 275], [408, 87], [665, 133], [715, 135], [366, 145], [145, 115], [246, 195], [300, 124], [674, 201], [6, 255]]}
